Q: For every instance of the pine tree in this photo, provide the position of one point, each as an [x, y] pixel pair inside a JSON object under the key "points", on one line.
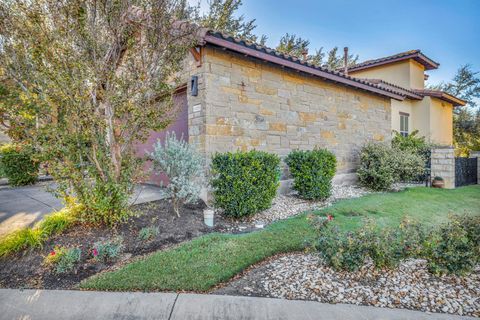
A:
{"points": [[221, 17]]}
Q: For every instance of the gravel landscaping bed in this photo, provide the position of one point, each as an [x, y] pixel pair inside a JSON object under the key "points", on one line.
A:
{"points": [[303, 277], [285, 206]]}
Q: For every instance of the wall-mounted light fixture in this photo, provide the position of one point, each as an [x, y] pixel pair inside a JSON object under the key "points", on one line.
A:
{"points": [[194, 86]]}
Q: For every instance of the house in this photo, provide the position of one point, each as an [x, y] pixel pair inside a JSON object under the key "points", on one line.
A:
{"points": [[244, 96], [428, 111]]}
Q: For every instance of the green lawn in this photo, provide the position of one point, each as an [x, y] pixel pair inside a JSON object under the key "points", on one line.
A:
{"points": [[206, 261]]}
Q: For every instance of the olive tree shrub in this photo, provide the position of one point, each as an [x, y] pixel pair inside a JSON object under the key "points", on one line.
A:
{"points": [[184, 167], [101, 75], [382, 165]]}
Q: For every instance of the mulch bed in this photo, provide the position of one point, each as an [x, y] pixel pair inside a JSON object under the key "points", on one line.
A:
{"points": [[27, 270]]}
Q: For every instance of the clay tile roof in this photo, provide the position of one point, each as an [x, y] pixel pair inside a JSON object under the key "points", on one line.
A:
{"points": [[408, 92], [254, 50], [442, 96], [416, 55]]}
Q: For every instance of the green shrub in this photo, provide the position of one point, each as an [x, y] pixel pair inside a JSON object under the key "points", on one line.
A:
{"points": [[411, 238], [63, 259], [148, 233], [385, 246], [341, 251], [312, 172], [244, 182], [408, 166], [19, 164], [376, 170], [382, 165], [107, 250], [53, 223], [454, 246], [106, 203], [412, 143]]}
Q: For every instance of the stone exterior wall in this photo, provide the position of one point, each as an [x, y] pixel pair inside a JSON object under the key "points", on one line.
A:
{"points": [[443, 165], [249, 104]]}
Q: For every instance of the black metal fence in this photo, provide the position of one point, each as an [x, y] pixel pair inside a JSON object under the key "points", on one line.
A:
{"points": [[465, 171]]}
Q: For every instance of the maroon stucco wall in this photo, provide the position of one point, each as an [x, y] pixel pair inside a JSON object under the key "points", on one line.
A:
{"points": [[179, 126]]}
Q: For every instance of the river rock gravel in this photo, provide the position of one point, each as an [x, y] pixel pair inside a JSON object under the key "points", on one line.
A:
{"points": [[302, 276]]}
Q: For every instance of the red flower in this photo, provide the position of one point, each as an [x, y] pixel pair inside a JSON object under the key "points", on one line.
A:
{"points": [[329, 217], [95, 252], [52, 253]]}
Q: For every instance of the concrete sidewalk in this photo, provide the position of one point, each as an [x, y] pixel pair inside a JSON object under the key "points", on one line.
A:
{"points": [[23, 206], [45, 304]]}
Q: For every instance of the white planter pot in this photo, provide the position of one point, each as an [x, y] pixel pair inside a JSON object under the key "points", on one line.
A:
{"points": [[208, 217]]}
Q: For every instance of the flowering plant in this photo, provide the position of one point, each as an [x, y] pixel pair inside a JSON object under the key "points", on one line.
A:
{"points": [[63, 258]]}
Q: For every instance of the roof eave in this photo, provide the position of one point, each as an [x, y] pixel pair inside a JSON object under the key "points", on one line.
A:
{"points": [[419, 57], [298, 66], [443, 96]]}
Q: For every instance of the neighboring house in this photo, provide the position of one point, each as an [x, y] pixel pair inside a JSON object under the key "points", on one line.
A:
{"points": [[244, 96]]}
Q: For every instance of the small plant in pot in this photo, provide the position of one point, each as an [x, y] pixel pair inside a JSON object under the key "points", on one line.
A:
{"points": [[438, 182]]}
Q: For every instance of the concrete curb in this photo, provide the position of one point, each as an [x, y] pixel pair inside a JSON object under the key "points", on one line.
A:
{"points": [[65, 304]]}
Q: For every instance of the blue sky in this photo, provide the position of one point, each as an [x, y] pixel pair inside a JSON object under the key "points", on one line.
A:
{"points": [[447, 31]]}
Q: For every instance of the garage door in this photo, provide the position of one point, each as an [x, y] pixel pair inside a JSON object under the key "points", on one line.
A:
{"points": [[179, 126]]}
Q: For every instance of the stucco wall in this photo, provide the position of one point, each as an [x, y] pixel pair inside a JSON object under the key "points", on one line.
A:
{"points": [[253, 105], [404, 106], [408, 74], [434, 120], [417, 75], [441, 122]]}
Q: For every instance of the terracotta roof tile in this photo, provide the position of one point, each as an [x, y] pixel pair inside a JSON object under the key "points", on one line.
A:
{"points": [[416, 55], [210, 36], [442, 96]]}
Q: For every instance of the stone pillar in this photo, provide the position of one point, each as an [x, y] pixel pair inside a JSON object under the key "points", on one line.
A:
{"points": [[443, 165], [476, 154]]}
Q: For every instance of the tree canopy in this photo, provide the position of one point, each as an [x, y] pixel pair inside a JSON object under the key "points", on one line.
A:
{"points": [[294, 45], [100, 74]]}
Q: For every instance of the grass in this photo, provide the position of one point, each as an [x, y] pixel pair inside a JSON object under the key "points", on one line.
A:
{"points": [[426, 205], [206, 261], [35, 237]]}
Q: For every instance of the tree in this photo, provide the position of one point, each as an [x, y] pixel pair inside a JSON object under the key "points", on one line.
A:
{"points": [[466, 122], [465, 85], [296, 46], [336, 61], [100, 75], [17, 113], [221, 17]]}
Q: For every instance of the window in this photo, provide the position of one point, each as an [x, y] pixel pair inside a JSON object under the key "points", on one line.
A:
{"points": [[404, 124]]}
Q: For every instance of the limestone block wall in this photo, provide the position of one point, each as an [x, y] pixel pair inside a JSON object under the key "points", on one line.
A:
{"points": [[443, 165], [250, 104]]}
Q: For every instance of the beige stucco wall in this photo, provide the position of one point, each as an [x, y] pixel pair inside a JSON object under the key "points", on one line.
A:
{"points": [[417, 75], [408, 74], [404, 106], [434, 120], [441, 122], [421, 117], [249, 104]]}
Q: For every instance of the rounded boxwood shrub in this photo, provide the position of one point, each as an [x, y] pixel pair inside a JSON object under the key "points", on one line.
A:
{"points": [[19, 164], [244, 182], [312, 172]]}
